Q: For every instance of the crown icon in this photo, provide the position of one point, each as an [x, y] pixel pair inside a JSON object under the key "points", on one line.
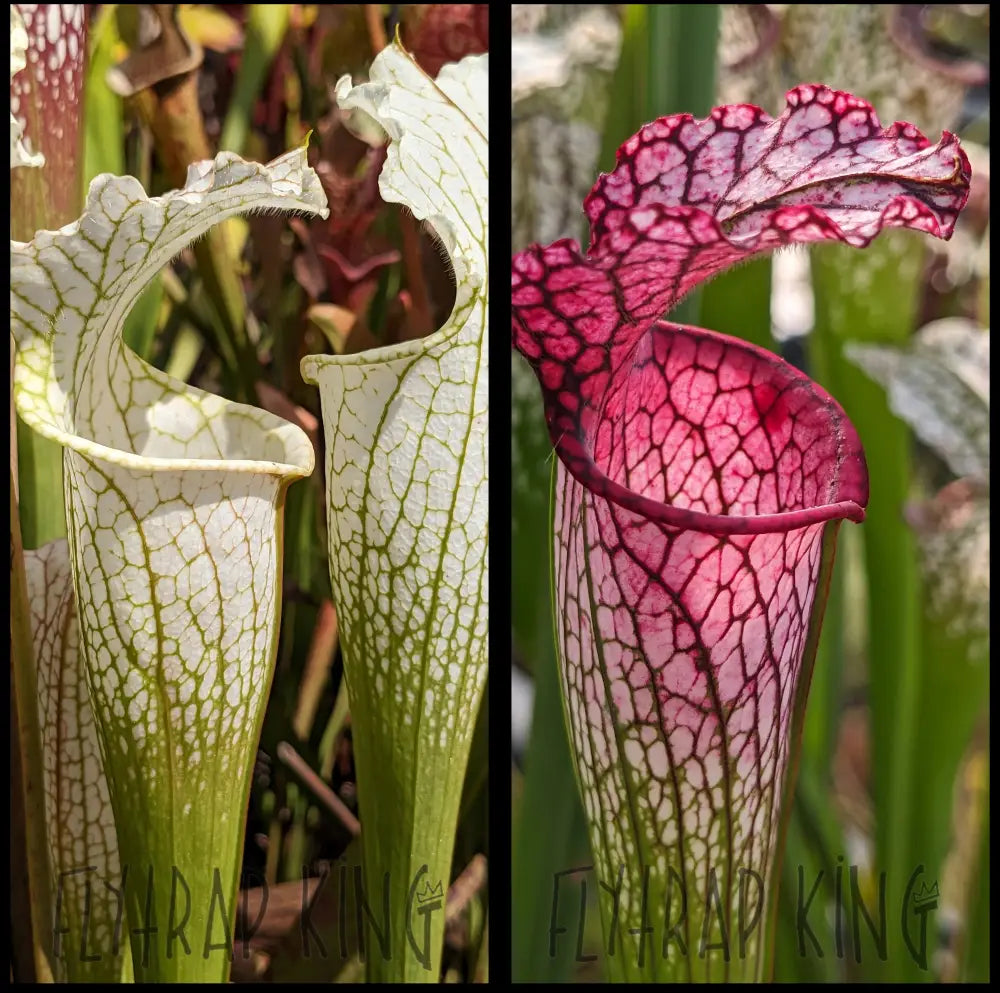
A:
{"points": [[429, 893], [926, 895]]}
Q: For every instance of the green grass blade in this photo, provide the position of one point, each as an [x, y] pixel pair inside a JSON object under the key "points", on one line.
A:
{"points": [[976, 967], [627, 108], [40, 480], [667, 66], [805, 944], [682, 41], [265, 31], [681, 44], [550, 838], [103, 121], [549, 835], [738, 302], [872, 297], [143, 320], [926, 689]]}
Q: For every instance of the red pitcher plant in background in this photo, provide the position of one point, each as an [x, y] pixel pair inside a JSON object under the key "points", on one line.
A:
{"points": [[700, 484]]}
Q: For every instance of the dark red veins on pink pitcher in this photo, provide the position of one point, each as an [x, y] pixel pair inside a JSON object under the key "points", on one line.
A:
{"points": [[700, 486], [684, 426]]}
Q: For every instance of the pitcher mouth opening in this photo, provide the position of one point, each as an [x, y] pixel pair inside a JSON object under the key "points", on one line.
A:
{"points": [[705, 432], [234, 430]]}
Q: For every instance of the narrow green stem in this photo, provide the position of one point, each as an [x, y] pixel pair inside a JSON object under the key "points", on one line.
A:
{"points": [[267, 24], [871, 298], [682, 40]]}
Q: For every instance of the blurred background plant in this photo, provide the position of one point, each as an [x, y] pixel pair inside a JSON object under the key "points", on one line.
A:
{"points": [[894, 768], [145, 90]]}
